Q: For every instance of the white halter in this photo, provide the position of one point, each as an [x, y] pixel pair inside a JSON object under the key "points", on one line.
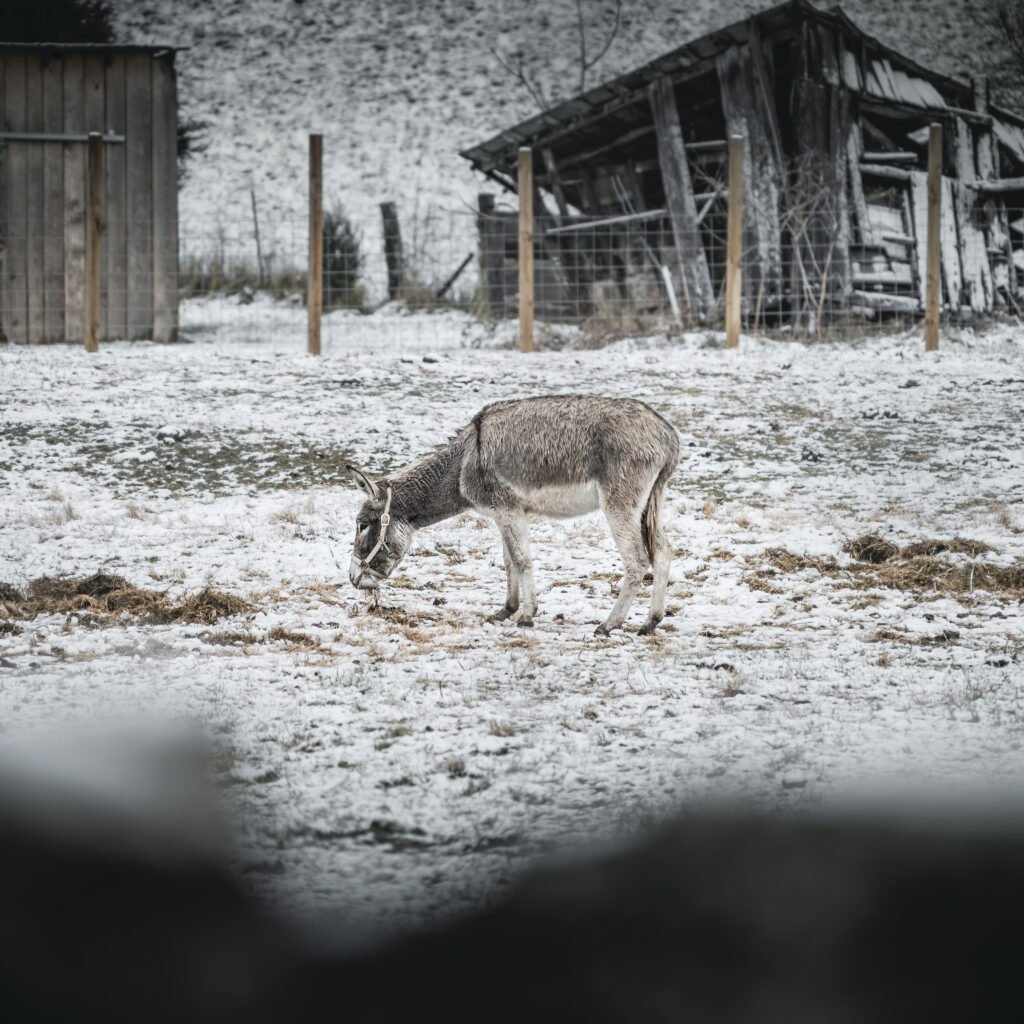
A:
{"points": [[385, 521]]}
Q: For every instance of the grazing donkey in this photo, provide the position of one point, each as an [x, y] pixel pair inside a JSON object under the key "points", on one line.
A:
{"points": [[557, 456]]}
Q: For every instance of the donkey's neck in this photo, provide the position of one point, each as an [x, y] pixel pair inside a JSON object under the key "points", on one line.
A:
{"points": [[428, 491]]}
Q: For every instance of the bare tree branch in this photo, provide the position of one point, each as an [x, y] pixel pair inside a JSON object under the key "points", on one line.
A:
{"points": [[586, 65], [518, 72]]}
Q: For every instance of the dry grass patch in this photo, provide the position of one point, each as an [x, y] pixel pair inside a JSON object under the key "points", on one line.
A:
{"points": [[914, 567], [295, 640], [105, 596]]}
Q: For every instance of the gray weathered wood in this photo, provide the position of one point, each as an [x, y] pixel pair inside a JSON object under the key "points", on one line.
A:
{"points": [[93, 241], [36, 252], [165, 200], [919, 220], [74, 198], [315, 269], [854, 144], [393, 254], [886, 172], [977, 275], [951, 269], [94, 121], [526, 230], [734, 246], [933, 289], [53, 204], [114, 319], [680, 201], [750, 112], [4, 225], [139, 189], [16, 261]]}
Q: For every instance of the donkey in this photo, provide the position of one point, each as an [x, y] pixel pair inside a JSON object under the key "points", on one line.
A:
{"points": [[558, 456]]}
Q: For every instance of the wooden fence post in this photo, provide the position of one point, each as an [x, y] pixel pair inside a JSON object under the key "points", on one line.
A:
{"points": [[933, 291], [734, 241], [93, 250], [393, 249], [526, 249], [315, 284]]}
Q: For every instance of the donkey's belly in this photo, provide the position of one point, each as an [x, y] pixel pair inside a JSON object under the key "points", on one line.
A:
{"points": [[559, 500]]}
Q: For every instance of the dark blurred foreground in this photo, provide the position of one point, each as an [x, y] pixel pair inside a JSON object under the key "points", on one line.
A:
{"points": [[110, 910]]}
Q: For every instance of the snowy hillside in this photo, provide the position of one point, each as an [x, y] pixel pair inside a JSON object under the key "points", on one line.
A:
{"points": [[398, 87]]}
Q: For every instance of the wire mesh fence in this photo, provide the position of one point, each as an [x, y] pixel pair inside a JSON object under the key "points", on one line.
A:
{"points": [[452, 278]]}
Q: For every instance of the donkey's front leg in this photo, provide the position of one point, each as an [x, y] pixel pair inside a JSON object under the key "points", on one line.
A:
{"points": [[511, 605], [517, 545]]}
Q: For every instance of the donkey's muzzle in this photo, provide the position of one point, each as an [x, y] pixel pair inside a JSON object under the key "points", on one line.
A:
{"points": [[360, 578]]}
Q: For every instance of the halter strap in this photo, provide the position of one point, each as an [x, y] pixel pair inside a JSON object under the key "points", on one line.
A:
{"points": [[385, 522]]}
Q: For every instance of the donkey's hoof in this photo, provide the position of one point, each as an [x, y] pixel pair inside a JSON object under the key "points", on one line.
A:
{"points": [[602, 630], [648, 628], [500, 615], [524, 621]]}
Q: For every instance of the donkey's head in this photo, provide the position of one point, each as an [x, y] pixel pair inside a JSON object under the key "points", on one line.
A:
{"points": [[382, 537]]}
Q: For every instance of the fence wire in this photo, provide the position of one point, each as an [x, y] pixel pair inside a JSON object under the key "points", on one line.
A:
{"points": [[453, 278]]}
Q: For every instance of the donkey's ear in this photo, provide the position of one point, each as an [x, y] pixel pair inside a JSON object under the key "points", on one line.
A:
{"points": [[364, 481]]}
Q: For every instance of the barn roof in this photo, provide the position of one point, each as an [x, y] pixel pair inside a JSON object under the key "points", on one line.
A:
{"points": [[890, 76]]}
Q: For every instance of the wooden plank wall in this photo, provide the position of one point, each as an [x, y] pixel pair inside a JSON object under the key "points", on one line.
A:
{"points": [[43, 187], [74, 198], [53, 204], [114, 295], [139, 157], [16, 259], [165, 201]]}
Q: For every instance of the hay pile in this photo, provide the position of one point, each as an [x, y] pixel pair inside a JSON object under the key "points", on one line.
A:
{"points": [[914, 567], [103, 596]]}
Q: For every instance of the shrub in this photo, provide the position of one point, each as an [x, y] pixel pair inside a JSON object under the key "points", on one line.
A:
{"points": [[343, 260]]}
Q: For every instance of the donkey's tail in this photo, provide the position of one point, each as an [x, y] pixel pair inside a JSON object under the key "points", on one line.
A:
{"points": [[650, 522]]}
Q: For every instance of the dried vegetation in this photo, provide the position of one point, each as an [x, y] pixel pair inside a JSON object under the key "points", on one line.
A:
{"points": [[914, 567], [104, 596]]}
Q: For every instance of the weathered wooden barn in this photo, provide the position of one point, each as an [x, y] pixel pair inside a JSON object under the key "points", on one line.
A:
{"points": [[51, 98], [632, 176]]}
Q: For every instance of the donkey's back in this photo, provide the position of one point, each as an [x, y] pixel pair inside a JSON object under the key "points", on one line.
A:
{"points": [[571, 439]]}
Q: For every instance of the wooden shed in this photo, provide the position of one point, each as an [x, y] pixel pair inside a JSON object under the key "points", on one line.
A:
{"points": [[51, 97], [836, 128]]}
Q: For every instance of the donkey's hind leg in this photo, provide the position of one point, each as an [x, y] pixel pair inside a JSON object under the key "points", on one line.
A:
{"points": [[511, 605], [628, 537], [662, 562]]}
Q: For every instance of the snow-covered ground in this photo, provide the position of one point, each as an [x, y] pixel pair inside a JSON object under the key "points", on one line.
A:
{"points": [[412, 758]]}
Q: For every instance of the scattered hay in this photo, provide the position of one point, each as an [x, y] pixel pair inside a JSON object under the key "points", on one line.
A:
{"points": [[207, 607], [913, 568], [957, 546], [103, 595], [10, 595], [875, 550], [296, 640], [871, 548]]}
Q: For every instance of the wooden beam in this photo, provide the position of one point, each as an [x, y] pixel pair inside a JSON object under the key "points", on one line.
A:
{"points": [[734, 245], [526, 298], [679, 198], [93, 241], [315, 282], [588, 225], [884, 157], [885, 171], [933, 295], [997, 185]]}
